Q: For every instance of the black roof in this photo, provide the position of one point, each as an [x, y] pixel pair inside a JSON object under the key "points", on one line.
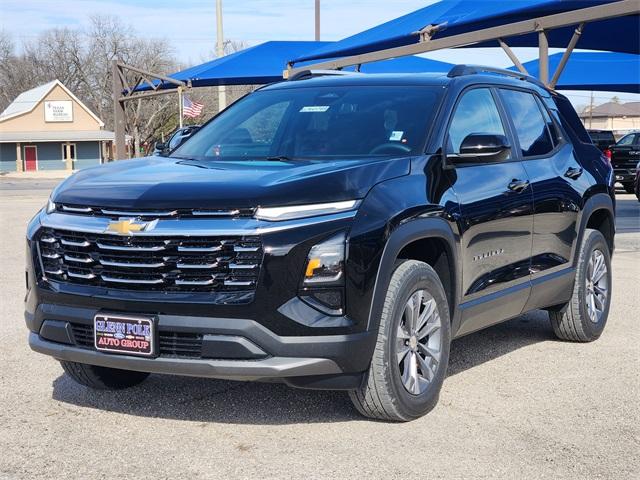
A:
{"points": [[467, 76]]}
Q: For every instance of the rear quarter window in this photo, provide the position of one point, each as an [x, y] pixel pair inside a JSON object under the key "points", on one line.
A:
{"points": [[570, 120]]}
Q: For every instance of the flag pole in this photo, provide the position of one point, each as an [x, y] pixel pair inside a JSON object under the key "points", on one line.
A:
{"points": [[180, 106]]}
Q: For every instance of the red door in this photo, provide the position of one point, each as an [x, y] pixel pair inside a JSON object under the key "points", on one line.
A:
{"points": [[30, 158]]}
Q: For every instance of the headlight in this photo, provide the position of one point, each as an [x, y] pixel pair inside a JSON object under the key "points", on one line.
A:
{"points": [[51, 207], [325, 263], [275, 214]]}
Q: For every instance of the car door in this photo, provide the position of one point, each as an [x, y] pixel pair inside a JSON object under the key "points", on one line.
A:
{"points": [[558, 184], [496, 217]]}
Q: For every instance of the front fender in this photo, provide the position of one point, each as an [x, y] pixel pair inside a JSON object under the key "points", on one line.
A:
{"points": [[394, 214]]}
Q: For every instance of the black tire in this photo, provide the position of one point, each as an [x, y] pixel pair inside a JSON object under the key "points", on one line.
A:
{"points": [[629, 187], [102, 378], [572, 322], [383, 395]]}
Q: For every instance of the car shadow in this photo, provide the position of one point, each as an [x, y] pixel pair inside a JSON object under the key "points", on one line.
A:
{"points": [[218, 401]]}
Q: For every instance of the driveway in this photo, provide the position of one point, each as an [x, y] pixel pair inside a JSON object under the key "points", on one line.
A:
{"points": [[517, 403]]}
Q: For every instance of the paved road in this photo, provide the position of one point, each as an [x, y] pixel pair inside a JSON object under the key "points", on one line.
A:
{"points": [[517, 404]]}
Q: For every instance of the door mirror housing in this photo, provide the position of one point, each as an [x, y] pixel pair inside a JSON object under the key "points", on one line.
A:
{"points": [[161, 146], [482, 147]]}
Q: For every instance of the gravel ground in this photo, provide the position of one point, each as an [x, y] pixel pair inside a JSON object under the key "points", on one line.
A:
{"points": [[517, 403]]}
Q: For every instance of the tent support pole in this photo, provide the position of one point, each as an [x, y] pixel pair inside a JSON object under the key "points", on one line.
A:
{"points": [[566, 55], [543, 54], [512, 56]]}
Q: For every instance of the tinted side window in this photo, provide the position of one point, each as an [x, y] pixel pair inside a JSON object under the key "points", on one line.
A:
{"points": [[570, 119], [476, 113], [175, 140], [530, 125], [626, 140], [551, 126]]}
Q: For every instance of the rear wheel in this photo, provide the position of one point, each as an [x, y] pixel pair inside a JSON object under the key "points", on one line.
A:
{"points": [[102, 378], [583, 319], [410, 360]]}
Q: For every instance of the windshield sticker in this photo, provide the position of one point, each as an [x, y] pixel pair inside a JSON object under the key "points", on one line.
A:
{"points": [[315, 108], [396, 135]]}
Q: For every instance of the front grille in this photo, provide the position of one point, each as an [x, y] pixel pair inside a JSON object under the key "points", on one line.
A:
{"points": [[172, 264], [172, 344]]}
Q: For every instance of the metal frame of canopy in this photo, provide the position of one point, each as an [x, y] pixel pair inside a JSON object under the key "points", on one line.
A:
{"points": [[541, 25], [123, 93], [132, 83]]}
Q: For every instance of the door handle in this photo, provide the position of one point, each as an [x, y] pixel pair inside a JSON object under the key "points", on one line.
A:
{"points": [[573, 173], [518, 185]]}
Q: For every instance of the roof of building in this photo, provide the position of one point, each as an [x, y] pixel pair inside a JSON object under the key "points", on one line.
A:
{"points": [[27, 101], [614, 109], [57, 136]]}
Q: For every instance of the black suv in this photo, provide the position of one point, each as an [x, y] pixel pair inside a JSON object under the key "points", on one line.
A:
{"points": [[602, 139], [625, 155], [330, 232]]}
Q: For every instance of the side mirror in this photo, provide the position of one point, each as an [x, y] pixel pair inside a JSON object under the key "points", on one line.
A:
{"points": [[161, 146], [483, 147]]}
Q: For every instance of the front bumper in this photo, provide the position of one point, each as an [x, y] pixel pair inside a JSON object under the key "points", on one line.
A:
{"points": [[269, 368], [232, 348], [624, 175]]}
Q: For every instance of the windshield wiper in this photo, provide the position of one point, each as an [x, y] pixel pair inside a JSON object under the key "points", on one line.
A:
{"points": [[279, 158]]}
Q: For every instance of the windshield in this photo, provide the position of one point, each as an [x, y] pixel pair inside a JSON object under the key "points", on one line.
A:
{"points": [[318, 123]]}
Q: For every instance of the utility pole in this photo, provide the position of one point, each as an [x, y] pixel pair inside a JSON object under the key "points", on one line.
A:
{"points": [[118, 112], [317, 20], [591, 110], [222, 94]]}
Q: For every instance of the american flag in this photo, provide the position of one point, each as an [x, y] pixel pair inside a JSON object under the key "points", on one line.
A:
{"points": [[191, 109]]}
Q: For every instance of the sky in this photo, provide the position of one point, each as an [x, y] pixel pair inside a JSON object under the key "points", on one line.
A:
{"points": [[190, 25]]}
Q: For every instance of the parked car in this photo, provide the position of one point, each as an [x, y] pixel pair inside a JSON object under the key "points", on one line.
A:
{"points": [[334, 231], [175, 140], [624, 157], [602, 139]]}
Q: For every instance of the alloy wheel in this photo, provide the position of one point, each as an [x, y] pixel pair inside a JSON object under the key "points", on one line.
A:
{"points": [[597, 288], [418, 342]]}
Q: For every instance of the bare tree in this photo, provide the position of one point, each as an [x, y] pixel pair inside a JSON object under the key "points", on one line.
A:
{"points": [[81, 60]]}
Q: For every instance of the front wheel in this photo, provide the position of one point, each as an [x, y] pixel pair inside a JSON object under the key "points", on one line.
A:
{"points": [[585, 315], [410, 360], [629, 187], [102, 378]]}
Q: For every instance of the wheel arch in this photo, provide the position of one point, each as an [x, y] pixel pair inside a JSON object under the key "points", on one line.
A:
{"points": [[408, 241], [598, 213]]}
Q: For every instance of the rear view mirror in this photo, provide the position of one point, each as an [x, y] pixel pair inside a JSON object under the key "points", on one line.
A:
{"points": [[161, 146], [483, 147]]}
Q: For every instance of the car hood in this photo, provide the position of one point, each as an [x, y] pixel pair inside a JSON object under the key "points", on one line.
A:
{"points": [[156, 183]]}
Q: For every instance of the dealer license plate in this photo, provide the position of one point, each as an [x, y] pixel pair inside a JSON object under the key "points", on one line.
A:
{"points": [[130, 335]]}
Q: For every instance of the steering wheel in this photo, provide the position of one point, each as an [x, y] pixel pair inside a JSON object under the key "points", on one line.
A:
{"points": [[393, 146]]}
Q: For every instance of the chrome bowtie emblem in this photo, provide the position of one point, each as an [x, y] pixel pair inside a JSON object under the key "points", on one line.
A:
{"points": [[129, 226]]}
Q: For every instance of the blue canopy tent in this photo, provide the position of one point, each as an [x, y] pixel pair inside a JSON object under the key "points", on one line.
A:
{"points": [[265, 63], [448, 18], [603, 71], [612, 25]]}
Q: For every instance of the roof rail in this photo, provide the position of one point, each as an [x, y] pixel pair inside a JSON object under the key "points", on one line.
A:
{"points": [[462, 70], [306, 74]]}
